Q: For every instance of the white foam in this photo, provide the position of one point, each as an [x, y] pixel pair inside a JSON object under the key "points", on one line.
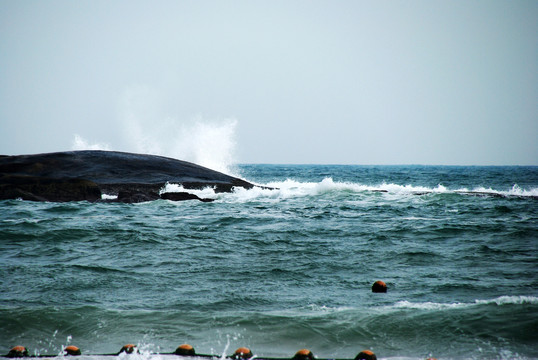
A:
{"points": [[507, 300], [277, 191], [108, 197], [514, 191], [289, 188], [410, 189], [206, 193], [328, 309], [404, 304], [311, 310], [501, 300]]}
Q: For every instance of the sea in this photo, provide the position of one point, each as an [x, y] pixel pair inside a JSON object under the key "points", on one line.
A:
{"points": [[285, 266]]}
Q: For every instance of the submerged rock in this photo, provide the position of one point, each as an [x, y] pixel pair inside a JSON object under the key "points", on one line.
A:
{"points": [[87, 175]]}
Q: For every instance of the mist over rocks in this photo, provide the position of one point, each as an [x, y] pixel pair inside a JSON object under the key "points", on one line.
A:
{"points": [[88, 174]]}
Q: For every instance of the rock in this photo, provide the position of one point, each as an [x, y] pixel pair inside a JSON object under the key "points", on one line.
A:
{"points": [[179, 196], [86, 175], [47, 189], [130, 196]]}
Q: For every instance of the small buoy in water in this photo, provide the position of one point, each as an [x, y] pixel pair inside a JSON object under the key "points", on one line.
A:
{"points": [[366, 355], [379, 287], [72, 350], [242, 353], [17, 351], [303, 354], [128, 349], [185, 349]]}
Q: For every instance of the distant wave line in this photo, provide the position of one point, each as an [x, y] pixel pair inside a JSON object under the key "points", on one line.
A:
{"points": [[500, 301], [292, 188], [315, 310]]}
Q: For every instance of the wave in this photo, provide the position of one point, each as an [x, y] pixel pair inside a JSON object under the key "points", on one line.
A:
{"points": [[499, 301], [278, 190], [316, 310], [515, 191]]}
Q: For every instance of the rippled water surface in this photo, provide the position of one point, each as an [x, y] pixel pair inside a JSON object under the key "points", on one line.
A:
{"points": [[283, 269]]}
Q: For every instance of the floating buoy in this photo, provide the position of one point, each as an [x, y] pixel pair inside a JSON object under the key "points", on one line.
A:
{"points": [[17, 351], [366, 355], [379, 287], [303, 354], [72, 350], [242, 353], [185, 349], [128, 349]]}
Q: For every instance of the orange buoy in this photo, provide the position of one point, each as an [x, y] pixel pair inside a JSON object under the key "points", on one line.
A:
{"points": [[17, 351], [185, 349], [242, 353], [379, 287], [303, 354], [366, 355], [72, 350], [128, 349]]}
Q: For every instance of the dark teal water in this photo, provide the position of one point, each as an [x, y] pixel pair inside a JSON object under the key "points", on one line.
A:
{"points": [[280, 270]]}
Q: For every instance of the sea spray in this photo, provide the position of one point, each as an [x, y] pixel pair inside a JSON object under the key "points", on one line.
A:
{"points": [[80, 143], [205, 141], [210, 143]]}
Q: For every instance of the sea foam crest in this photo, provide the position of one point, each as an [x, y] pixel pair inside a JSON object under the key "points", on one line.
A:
{"points": [[506, 300], [514, 191], [272, 190], [289, 188], [501, 300], [205, 193]]}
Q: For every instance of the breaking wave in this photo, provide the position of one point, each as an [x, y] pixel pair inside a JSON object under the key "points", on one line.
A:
{"points": [[500, 301], [289, 188]]}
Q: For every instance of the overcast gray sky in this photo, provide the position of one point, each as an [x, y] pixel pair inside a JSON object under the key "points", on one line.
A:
{"points": [[329, 82]]}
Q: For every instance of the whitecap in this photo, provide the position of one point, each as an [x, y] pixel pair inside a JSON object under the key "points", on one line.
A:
{"points": [[205, 193], [501, 300], [510, 300], [281, 190], [108, 197]]}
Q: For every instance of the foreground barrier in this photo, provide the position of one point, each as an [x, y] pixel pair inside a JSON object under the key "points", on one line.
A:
{"points": [[187, 350], [241, 353]]}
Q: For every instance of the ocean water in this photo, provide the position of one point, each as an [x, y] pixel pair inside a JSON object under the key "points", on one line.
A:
{"points": [[284, 269]]}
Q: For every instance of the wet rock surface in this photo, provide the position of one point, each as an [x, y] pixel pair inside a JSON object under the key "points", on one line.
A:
{"points": [[86, 175]]}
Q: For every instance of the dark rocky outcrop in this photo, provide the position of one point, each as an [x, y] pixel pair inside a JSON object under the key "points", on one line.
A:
{"points": [[179, 196], [86, 175]]}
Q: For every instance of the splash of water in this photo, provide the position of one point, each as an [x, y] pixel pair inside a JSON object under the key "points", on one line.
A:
{"points": [[79, 143], [207, 142], [146, 129]]}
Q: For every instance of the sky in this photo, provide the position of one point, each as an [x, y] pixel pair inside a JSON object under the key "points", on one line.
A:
{"points": [[282, 82]]}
